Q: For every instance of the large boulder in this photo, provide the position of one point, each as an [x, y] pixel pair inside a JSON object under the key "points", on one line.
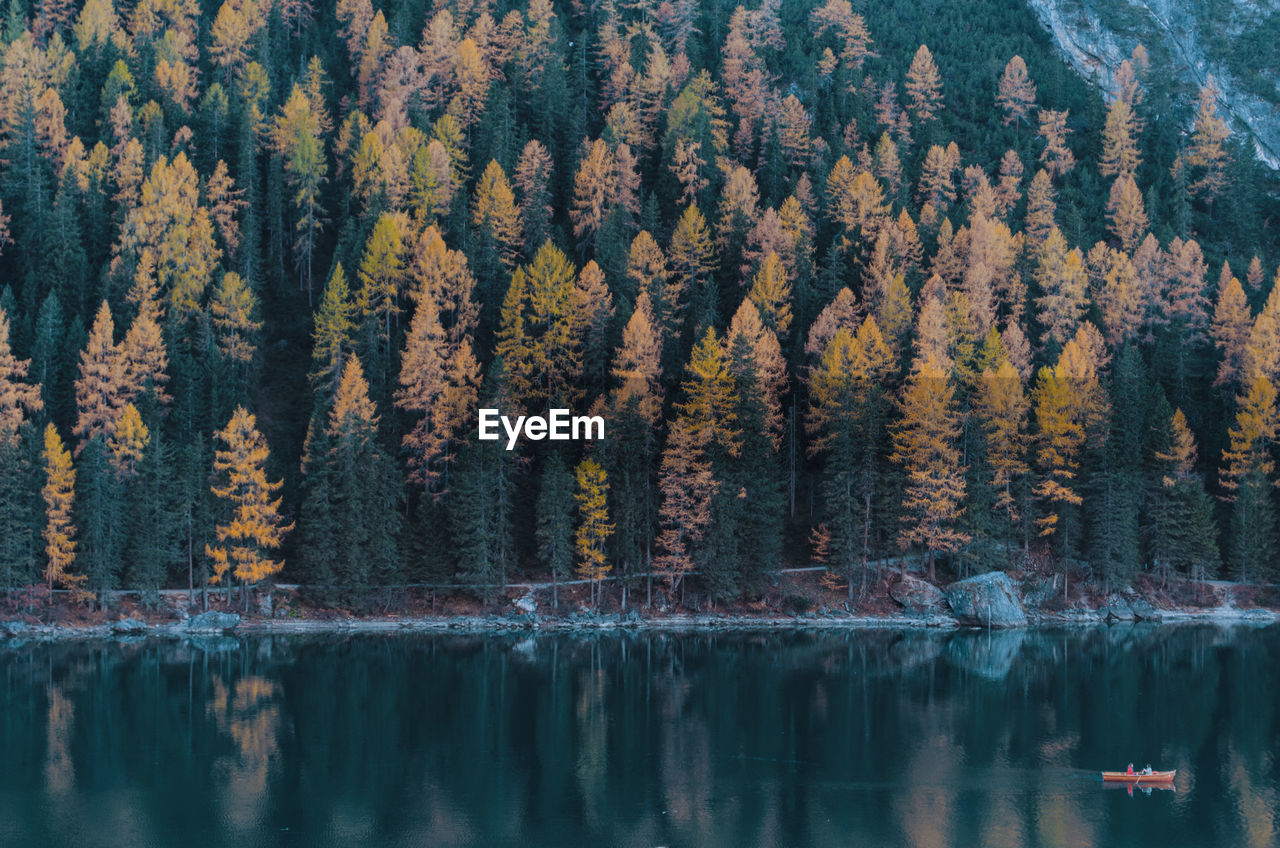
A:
{"points": [[989, 600], [1118, 609], [916, 595], [1142, 609], [213, 622], [129, 625]]}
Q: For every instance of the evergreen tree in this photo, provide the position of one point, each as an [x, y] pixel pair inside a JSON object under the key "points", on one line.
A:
{"points": [[1246, 480], [555, 522]]}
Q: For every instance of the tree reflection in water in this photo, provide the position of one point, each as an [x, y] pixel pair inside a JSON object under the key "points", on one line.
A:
{"points": [[834, 738]]}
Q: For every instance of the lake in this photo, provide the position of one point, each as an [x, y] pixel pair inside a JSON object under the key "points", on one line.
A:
{"points": [[851, 738]]}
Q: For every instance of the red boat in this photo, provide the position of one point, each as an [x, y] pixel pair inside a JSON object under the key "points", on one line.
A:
{"points": [[1139, 777]]}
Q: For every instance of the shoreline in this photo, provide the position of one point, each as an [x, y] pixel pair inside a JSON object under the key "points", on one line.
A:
{"points": [[130, 629]]}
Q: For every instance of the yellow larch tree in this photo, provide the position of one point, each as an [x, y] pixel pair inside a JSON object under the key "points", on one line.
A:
{"points": [[1016, 94], [1126, 210], [594, 526], [1056, 157], [925, 446], [1001, 407], [1120, 155], [18, 399], [254, 528], [59, 495], [924, 85], [495, 213], [1232, 323], [101, 387]]}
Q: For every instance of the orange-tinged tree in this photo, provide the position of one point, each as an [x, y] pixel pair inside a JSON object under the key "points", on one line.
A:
{"points": [[1069, 408], [18, 399], [236, 325], [128, 443], [1247, 478], [594, 526], [1232, 324], [705, 425], [1120, 155], [924, 85], [1001, 407], [1016, 94], [297, 137], [771, 293], [1064, 286], [1206, 157], [59, 494], [925, 445], [1127, 212], [101, 388], [254, 528], [1056, 156], [495, 213]]}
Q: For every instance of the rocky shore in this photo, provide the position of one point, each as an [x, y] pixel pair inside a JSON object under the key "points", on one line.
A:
{"points": [[991, 601]]}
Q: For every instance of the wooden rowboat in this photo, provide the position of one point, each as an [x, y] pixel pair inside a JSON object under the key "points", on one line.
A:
{"points": [[1125, 777]]}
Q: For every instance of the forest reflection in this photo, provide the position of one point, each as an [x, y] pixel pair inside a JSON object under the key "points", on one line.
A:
{"points": [[863, 737]]}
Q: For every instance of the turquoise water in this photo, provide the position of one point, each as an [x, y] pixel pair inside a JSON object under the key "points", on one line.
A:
{"points": [[860, 738]]}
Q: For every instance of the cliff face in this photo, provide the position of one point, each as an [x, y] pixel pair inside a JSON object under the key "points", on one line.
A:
{"points": [[1232, 40]]}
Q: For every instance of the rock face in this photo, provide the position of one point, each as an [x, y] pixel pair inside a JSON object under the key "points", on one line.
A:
{"points": [[1189, 40], [916, 595], [989, 600], [129, 625], [213, 622]]}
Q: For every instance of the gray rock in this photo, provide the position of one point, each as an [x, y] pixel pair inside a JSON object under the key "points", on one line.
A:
{"points": [[526, 604], [916, 595], [15, 628], [129, 625], [1142, 610], [1118, 608], [213, 622], [989, 600], [1036, 592]]}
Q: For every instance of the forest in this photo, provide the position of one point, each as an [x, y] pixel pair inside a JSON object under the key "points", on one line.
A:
{"points": [[851, 284]]}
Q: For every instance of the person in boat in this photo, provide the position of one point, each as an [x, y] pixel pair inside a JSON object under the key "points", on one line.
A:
{"points": [[1130, 769], [1148, 770]]}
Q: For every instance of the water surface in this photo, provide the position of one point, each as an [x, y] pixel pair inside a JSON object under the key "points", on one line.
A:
{"points": [[803, 739]]}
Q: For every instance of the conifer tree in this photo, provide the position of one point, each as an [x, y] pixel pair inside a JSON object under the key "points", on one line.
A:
{"points": [[924, 442], [1232, 324], [536, 339], [360, 490], [381, 276], [1206, 157], [101, 386], [555, 522], [1016, 94], [333, 334], [847, 416], [254, 528], [1056, 157], [59, 529], [1001, 407], [296, 136], [924, 86], [594, 527], [18, 525], [496, 216], [705, 429], [1246, 479], [1127, 212], [1182, 533], [1120, 155]]}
